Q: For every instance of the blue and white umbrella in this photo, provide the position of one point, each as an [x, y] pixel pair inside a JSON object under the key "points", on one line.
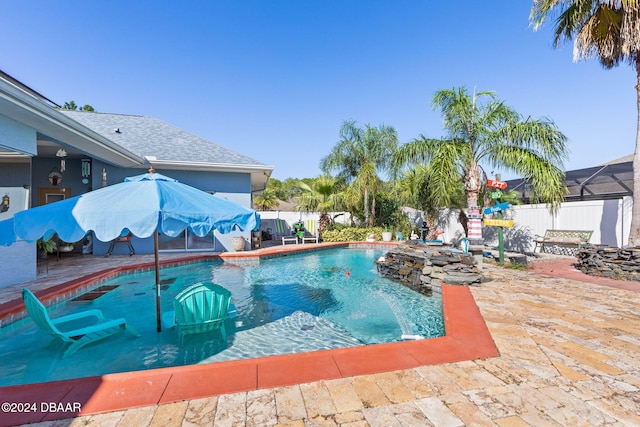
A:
{"points": [[145, 205]]}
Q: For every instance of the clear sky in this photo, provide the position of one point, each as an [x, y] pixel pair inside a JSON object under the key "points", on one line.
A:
{"points": [[275, 79]]}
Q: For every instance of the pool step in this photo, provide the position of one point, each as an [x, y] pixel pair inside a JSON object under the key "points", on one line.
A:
{"points": [[96, 293]]}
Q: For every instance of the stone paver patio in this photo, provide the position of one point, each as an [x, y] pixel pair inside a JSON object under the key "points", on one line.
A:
{"points": [[569, 356]]}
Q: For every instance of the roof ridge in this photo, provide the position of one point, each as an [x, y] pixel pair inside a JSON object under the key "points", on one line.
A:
{"points": [[104, 112]]}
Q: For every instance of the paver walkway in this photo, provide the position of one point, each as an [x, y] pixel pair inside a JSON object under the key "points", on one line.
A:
{"points": [[569, 356]]}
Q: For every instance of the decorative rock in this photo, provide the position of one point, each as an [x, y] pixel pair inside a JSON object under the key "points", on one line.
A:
{"points": [[604, 261], [421, 267]]}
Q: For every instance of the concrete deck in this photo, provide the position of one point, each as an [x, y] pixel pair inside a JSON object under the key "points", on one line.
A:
{"points": [[569, 355]]}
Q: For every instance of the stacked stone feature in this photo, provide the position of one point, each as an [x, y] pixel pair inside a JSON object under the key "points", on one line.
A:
{"points": [[422, 268], [615, 263]]}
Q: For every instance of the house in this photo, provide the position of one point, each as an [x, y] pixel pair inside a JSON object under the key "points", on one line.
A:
{"points": [[48, 154]]}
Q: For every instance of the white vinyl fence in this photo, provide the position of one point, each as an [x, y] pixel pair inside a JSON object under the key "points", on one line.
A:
{"points": [[267, 218], [610, 221]]}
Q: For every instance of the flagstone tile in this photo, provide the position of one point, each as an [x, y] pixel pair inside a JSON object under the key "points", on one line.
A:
{"points": [[438, 413], [289, 404], [200, 412], [572, 407], [568, 372], [298, 423], [525, 395], [138, 416], [344, 396], [392, 387], [512, 421], [261, 408], [231, 410], [469, 413], [438, 380], [416, 384], [489, 404], [622, 408], [351, 418], [369, 392], [382, 416], [566, 417], [106, 419], [317, 399], [169, 414]]}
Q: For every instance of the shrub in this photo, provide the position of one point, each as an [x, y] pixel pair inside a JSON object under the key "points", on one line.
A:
{"points": [[352, 234]]}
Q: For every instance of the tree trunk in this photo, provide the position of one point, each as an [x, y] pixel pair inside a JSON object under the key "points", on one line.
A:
{"points": [[323, 222], [634, 232], [372, 219], [366, 206], [472, 184]]}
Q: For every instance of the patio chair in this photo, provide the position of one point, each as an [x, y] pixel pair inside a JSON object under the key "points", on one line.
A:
{"points": [[311, 234], [202, 307], [122, 238], [80, 336], [283, 231]]}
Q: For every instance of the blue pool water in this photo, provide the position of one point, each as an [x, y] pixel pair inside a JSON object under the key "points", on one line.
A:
{"points": [[297, 303]]}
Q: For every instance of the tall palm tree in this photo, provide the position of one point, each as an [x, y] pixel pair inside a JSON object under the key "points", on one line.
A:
{"points": [[610, 31], [491, 134], [359, 156], [320, 195]]}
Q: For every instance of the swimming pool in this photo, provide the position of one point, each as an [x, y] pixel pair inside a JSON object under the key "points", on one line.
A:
{"points": [[289, 304]]}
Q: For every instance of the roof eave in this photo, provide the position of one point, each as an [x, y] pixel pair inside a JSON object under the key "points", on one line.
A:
{"points": [[260, 174], [32, 112]]}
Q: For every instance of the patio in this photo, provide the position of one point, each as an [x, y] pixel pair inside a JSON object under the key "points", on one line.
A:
{"points": [[569, 355]]}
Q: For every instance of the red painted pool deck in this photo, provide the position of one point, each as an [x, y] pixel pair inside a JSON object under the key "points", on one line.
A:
{"points": [[467, 338]]}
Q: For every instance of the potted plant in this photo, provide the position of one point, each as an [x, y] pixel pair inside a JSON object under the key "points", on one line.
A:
{"points": [[386, 234], [45, 247], [66, 246]]}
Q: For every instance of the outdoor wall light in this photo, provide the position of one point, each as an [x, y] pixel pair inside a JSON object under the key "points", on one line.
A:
{"points": [[5, 203]]}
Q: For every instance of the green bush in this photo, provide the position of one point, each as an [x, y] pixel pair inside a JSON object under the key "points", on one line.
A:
{"points": [[352, 234]]}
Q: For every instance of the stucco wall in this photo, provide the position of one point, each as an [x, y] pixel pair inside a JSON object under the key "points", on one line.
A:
{"points": [[18, 263]]}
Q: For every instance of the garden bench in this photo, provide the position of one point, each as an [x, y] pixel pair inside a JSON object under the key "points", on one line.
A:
{"points": [[562, 242]]}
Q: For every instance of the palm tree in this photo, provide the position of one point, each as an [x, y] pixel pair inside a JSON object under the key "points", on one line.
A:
{"points": [[609, 30], [359, 156], [266, 201], [486, 133], [320, 195]]}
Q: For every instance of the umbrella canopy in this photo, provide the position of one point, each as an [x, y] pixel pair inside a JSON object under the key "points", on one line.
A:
{"points": [[146, 205], [142, 204]]}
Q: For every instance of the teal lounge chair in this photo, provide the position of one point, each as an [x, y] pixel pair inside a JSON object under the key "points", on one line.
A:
{"points": [[202, 307], [76, 338]]}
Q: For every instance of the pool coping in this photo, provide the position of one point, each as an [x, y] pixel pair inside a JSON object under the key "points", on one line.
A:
{"points": [[467, 338]]}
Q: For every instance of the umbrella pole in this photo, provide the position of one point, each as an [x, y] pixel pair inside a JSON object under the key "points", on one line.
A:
{"points": [[157, 260]]}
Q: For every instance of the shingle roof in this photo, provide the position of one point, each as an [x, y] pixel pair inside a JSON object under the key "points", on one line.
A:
{"points": [[150, 137]]}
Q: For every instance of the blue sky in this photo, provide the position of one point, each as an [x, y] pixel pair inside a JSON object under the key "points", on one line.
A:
{"points": [[274, 80]]}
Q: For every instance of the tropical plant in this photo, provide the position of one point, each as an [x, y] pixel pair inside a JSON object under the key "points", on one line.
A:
{"points": [[352, 234], [358, 157], [266, 201], [320, 195], [610, 31], [491, 134], [47, 246]]}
